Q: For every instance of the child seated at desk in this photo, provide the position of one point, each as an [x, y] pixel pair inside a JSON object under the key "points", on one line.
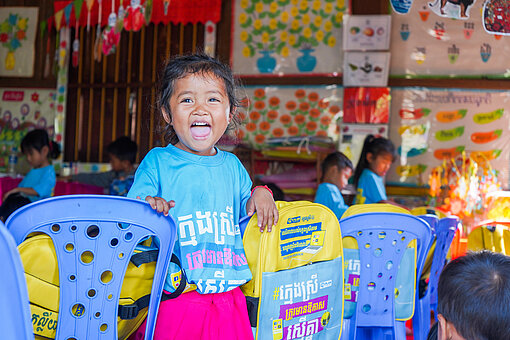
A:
{"points": [[336, 171], [40, 181], [118, 181]]}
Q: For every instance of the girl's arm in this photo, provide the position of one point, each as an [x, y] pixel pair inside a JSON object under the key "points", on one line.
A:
{"points": [[26, 191], [262, 202]]}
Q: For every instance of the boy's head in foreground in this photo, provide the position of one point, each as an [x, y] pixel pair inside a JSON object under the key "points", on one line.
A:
{"points": [[474, 298]]}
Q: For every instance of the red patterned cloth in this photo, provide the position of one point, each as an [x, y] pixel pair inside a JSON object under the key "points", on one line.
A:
{"points": [[179, 11]]}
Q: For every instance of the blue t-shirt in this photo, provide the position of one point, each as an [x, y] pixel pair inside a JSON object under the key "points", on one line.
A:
{"points": [[42, 180], [370, 188], [329, 195], [210, 194]]}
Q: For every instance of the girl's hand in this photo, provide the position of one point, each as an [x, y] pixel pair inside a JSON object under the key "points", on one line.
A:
{"points": [[263, 203], [12, 191], [159, 204]]}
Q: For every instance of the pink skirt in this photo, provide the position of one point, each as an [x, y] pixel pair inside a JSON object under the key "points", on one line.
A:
{"points": [[221, 316]]}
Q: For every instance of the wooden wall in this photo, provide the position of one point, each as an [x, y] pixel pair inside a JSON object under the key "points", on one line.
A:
{"points": [[115, 96]]}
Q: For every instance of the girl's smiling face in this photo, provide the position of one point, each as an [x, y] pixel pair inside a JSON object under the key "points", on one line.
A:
{"points": [[200, 112]]}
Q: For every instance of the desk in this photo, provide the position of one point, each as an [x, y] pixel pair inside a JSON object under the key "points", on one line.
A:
{"points": [[61, 188]]}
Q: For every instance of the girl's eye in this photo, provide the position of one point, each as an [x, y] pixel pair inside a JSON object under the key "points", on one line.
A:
{"points": [[186, 100], [214, 100]]}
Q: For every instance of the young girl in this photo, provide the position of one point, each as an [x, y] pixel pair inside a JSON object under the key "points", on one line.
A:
{"points": [[375, 160], [206, 191], [40, 181], [336, 171]]}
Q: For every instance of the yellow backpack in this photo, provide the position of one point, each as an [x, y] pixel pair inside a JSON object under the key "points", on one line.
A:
{"points": [[297, 285], [41, 273]]}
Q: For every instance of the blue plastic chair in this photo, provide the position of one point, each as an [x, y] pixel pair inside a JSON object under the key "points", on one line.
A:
{"points": [[14, 307], [382, 240], [444, 233], [94, 238]]}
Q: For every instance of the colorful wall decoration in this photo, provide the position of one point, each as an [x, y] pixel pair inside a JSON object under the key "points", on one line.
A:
{"points": [[425, 42], [17, 38], [287, 37], [21, 111], [290, 111], [430, 127]]}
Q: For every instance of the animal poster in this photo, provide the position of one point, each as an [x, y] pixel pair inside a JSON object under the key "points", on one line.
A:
{"points": [[287, 37], [367, 32], [290, 111], [431, 127], [22, 110], [446, 42], [18, 27], [366, 68]]}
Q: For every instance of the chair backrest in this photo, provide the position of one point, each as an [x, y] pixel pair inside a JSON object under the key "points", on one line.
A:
{"points": [[490, 235], [94, 237], [14, 308], [382, 240], [445, 231]]}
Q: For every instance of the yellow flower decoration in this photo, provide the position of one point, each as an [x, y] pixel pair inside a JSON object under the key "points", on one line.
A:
{"points": [[317, 21], [284, 36], [273, 23], [340, 3], [306, 19], [328, 8], [285, 17], [295, 24], [319, 35], [273, 7], [316, 5], [259, 7], [244, 35], [242, 18], [307, 32], [244, 3], [265, 37], [246, 52], [257, 24], [328, 25], [22, 24], [294, 2], [285, 51], [331, 41], [303, 5], [339, 17], [294, 11], [292, 39]]}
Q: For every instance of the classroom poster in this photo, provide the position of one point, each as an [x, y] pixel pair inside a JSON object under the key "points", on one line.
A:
{"points": [[367, 32], [366, 68], [18, 27], [425, 42], [287, 37], [22, 110], [290, 111], [431, 127]]}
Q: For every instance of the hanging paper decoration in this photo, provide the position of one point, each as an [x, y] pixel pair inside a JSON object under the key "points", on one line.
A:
{"points": [[134, 18], [210, 38], [166, 3], [111, 36], [98, 41]]}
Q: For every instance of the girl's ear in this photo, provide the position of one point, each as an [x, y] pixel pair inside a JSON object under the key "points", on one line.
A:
{"points": [[370, 157], [166, 116], [45, 150]]}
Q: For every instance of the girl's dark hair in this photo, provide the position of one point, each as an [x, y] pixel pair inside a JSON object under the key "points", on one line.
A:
{"points": [[181, 66], [37, 139], [376, 146], [337, 159]]}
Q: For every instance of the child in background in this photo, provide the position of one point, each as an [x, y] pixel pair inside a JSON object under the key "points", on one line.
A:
{"points": [[375, 160], [206, 191], [40, 181], [122, 154], [336, 171], [474, 297]]}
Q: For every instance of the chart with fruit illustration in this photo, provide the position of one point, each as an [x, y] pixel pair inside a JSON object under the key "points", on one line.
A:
{"points": [[430, 127], [425, 42]]}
